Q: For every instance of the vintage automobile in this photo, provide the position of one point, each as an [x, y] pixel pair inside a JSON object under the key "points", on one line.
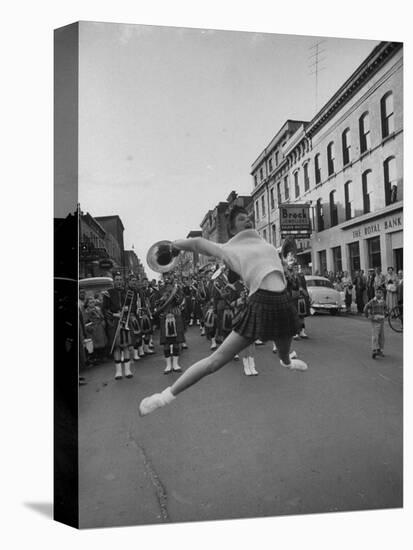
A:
{"points": [[323, 295], [95, 284]]}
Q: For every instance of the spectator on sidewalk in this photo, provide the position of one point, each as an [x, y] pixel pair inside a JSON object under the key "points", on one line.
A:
{"points": [[392, 283], [379, 281], [359, 286], [348, 291], [370, 284]]}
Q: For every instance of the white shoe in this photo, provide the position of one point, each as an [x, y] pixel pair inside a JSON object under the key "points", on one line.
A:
{"points": [[274, 348], [168, 367], [184, 345], [197, 322], [141, 352], [295, 364], [259, 342], [191, 322], [147, 350], [236, 357], [247, 369], [296, 337], [213, 344], [293, 354], [136, 355], [128, 372], [118, 371], [251, 362], [303, 333], [175, 366], [202, 331], [155, 401]]}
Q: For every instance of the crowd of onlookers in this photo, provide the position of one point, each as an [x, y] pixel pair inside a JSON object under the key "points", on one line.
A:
{"points": [[361, 288]]}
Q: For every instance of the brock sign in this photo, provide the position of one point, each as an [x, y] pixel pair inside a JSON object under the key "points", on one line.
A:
{"points": [[295, 217]]}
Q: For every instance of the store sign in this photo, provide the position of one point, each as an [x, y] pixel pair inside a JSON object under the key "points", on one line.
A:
{"points": [[295, 217], [391, 223], [106, 264]]}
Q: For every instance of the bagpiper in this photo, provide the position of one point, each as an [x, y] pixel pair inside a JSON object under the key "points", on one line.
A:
{"points": [[171, 324], [115, 310]]}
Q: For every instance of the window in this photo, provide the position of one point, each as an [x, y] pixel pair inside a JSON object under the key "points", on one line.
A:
{"points": [[390, 180], [265, 234], [367, 191], [320, 216], [348, 200], [286, 191], [333, 209], [279, 192], [263, 205], [255, 180], [337, 260], [272, 198], [306, 177], [364, 129], [330, 158], [296, 185], [387, 115], [322, 260], [273, 234], [276, 158], [261, 174], [354, 256], [373, 247], [346, 141], [257, 210], [317, 171], [270, 165]]}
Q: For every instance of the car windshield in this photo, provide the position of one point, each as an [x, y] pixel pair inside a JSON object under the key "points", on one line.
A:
{"points": [[319, 282]]}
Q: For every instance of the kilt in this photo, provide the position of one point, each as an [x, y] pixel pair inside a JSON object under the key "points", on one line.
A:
{"points": [[180, 336], [268, 316], [124, 338]]}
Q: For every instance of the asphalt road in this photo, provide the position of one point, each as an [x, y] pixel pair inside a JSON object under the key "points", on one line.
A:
{"points": [[328, 439]]}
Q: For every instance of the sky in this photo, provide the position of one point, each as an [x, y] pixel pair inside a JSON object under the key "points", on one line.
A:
{"points": [[171, 119]]}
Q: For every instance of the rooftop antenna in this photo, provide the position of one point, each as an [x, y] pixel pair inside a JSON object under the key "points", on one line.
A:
{"points": [[315, 62]]}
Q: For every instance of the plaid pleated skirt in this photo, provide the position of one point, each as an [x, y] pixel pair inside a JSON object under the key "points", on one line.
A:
{"points": [[268, 315]]}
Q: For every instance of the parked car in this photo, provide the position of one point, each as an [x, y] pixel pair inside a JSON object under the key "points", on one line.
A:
{"points": [[323, 295]]}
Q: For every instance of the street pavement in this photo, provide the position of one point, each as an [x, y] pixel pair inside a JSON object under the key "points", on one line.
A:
{"points": [[280, 443]]}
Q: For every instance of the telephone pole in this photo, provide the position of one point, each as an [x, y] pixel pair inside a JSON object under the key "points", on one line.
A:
{"points": [[315, 62]]}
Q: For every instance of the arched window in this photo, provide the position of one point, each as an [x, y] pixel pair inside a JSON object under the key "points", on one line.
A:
{"points": [[346, 142], [263, 205], [272, 199], [387, 114], [367, 191], [364, 130], [317, 170], [257, 210], [330, 158], [306, 177], [390, 180], [320, 215], [348, 200], [296, 185], [333, 209]]}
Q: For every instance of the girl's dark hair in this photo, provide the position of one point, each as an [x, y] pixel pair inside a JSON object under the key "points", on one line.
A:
{"points": [[235, 210]]}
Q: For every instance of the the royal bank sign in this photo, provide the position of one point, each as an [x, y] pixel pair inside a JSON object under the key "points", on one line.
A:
{"points": [[295, 218]]}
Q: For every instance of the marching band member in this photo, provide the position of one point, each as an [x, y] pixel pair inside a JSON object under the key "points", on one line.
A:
{"points": [[113, 303], [269, 314], [136, 330], [145, 318], [171, 326]]}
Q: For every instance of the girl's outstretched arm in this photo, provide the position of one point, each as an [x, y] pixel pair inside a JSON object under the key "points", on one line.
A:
{"points": [[202, 246]]}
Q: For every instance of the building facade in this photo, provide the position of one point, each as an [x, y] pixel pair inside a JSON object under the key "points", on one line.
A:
{"points": [[347, 165], [214, 225], [269, 172]]}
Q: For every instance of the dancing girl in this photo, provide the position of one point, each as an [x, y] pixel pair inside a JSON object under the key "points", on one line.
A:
{"points": [[269, 314]]}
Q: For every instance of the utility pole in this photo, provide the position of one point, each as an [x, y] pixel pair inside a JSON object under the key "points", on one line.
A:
{"points": [[314, 64]]}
